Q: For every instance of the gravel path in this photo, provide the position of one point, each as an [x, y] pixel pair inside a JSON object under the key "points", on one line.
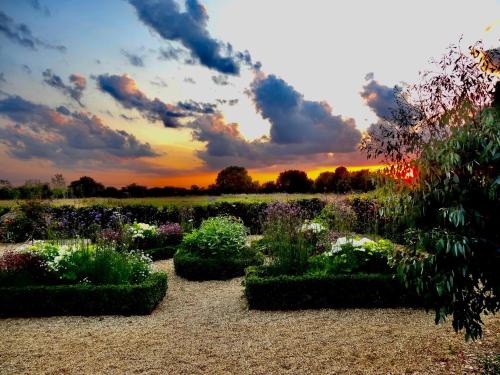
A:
{"points": [[205, 328]]}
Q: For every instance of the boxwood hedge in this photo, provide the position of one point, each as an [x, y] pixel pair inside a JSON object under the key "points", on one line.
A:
{"points": [[340, 291], [196, 268], [159, 253], [84, 299]]}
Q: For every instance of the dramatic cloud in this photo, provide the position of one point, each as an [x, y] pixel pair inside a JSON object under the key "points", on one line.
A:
{"points": [[21, 34], [381, 99], [124, 90], [296, 120], [190, 29], [299, 129], [133, 58], [68, 139], [75, 90], [230, 102]]}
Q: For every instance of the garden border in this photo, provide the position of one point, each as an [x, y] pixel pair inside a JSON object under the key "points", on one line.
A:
{"points": [[192, 267], [287, 292], [84, 299]]}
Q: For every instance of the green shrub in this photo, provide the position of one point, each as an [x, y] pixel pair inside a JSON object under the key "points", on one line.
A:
{"points": [[160, 253], [354, 255], [84, 299], [194, 267], [87, 263], [320, 291], [217, 237]]}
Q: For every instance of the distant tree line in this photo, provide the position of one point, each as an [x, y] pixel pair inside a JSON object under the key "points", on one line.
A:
{"points": [[231, 180]]}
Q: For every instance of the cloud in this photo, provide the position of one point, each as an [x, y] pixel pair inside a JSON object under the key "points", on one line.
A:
{"points": [[74, 91], [301, 131], [21, 34], [380, 98], [158, 81], [296, 120], [190, 29], [128, 118], [189, 80], [169, 52], [2, 78], [124, 90], [225, 145], [68, 139], [220, 80], [41, 8], [133, 58], [230, 102], [26, 68]]}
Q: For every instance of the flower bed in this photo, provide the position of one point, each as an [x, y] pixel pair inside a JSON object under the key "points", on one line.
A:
{"points": [[215, 251], [80, 278]]}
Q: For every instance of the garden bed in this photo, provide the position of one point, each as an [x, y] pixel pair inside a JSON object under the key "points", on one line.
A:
{"points": [[192, 267], [287, 292], [84, 299]]}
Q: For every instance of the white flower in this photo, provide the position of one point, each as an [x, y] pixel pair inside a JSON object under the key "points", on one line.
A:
{"points": [[357, 244], [312, 227]]}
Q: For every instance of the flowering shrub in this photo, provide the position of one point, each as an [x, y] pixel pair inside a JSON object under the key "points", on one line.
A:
{"points": [[82, 263], [217, 237], [354, 255], [171, 233], [21, 268], [141, 230]]}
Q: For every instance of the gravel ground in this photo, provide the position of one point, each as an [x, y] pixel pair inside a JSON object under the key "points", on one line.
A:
{"points": [[205, 328]]}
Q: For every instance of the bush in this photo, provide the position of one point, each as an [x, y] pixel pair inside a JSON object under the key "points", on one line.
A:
{"points": [[194, 267], [160, 253], [217, 237], [75, 263], [84, 299], [332, 291]]}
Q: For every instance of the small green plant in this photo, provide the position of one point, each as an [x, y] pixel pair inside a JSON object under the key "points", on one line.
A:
{"points": [[338, 216], [217, 237]]}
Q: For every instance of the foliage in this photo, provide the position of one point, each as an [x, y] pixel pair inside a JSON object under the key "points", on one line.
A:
{"points": [[21, 268], [338, 216], [267, 292], [449, 140], [490, 365], [294, 181], [354, 255], [87, 263], [84, 299], [193, 266], [233, 180], [217, 237]]}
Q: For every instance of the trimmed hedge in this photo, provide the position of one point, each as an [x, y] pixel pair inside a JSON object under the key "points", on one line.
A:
{"points": [[159, 253], [339, 291], [194, 268], [84, 299]]}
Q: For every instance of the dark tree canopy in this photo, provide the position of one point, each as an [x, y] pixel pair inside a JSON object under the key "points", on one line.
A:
{"points": [[294, 181], [447, 131], [86, 187], [234, 179]]}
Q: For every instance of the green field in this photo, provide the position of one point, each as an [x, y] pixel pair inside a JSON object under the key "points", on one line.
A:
{"points": [[177, 201]]}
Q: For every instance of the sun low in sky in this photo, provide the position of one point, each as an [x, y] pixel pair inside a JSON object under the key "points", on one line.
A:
{"points": [[166, 92]]}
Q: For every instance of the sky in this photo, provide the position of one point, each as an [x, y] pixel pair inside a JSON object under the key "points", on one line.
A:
{"points": [[169, 92]]}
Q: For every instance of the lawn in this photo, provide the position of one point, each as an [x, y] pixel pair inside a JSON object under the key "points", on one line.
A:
{"points": [[178, 200]]}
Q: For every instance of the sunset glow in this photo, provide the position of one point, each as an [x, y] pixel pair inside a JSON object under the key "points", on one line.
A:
{"points": [[168, 92]]}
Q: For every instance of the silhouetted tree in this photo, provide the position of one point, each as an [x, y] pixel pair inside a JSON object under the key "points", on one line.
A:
{"points": [[325, 182], [342, 180], [268, 187], [86, 187], [233, 179], [294, 181]]}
